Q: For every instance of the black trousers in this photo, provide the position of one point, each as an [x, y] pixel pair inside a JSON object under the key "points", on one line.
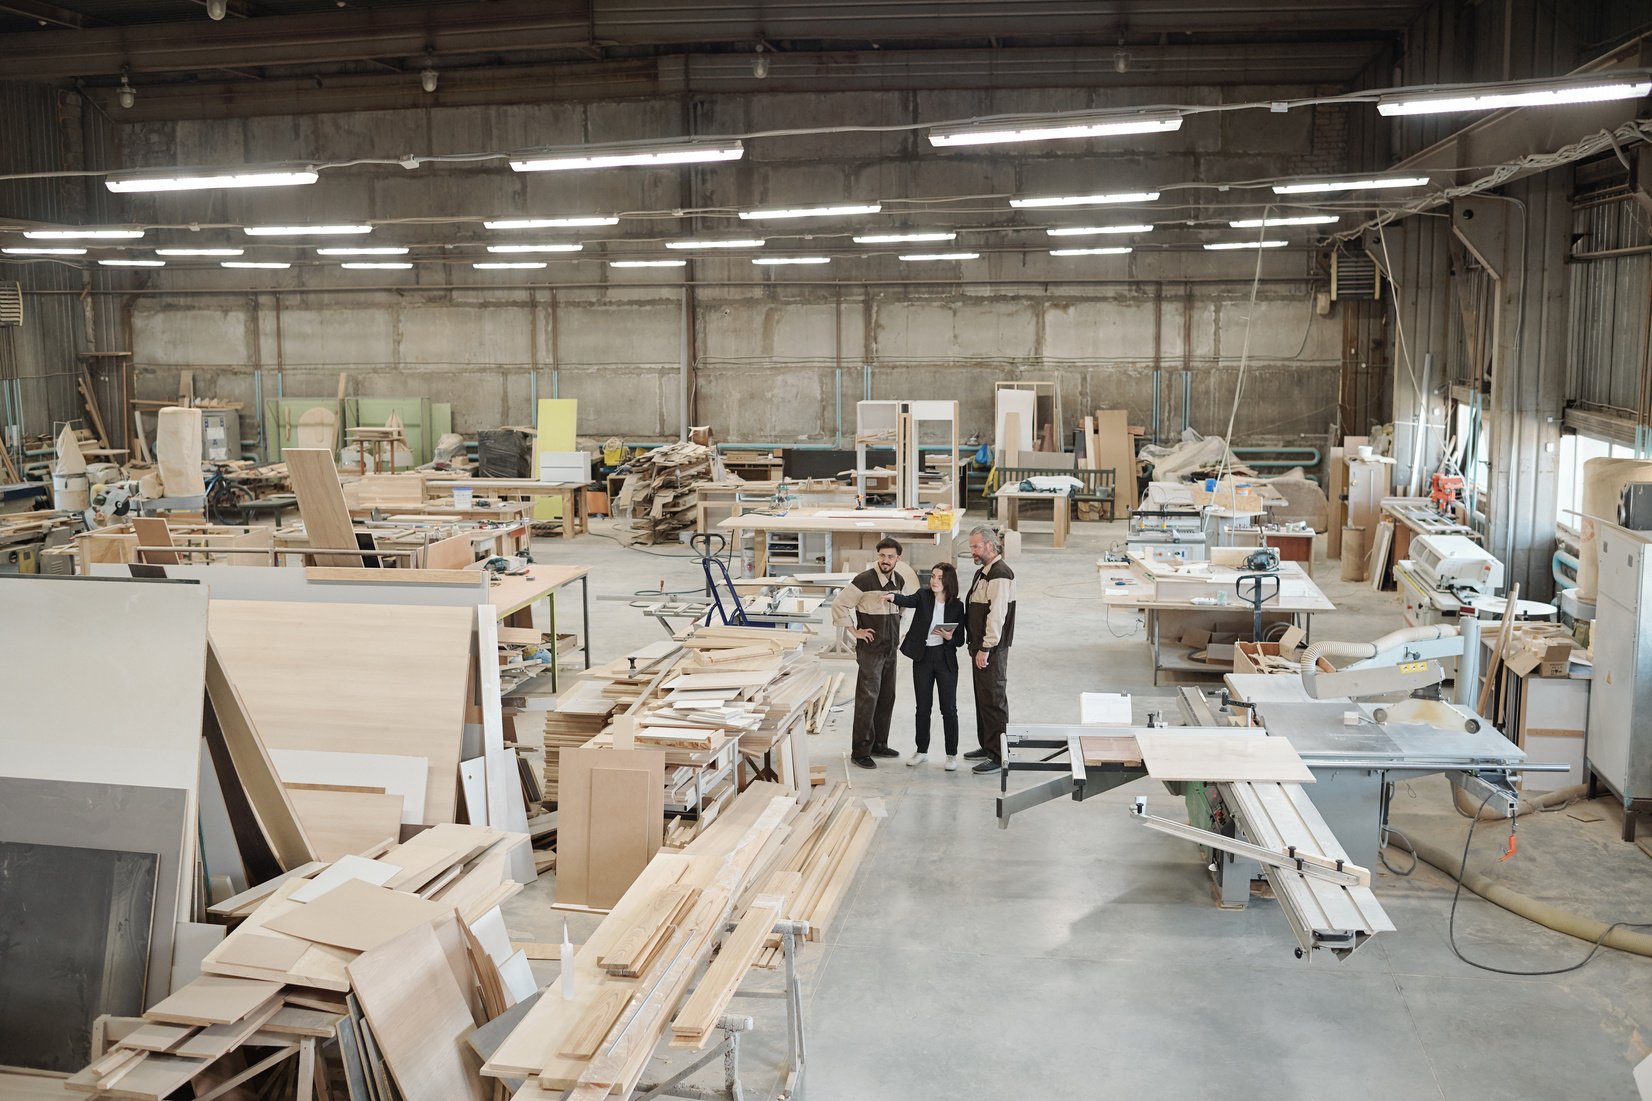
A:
{"points": [[929, 672], [992, 700], [874, 694]]}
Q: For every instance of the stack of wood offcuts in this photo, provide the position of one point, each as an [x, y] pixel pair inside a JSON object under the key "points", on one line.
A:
{"points": [[659, 496]]}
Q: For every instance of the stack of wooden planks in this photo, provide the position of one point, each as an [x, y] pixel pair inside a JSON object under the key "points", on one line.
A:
{"points": [[659, 493], [631, 979], [394, 958], [828, 841]]}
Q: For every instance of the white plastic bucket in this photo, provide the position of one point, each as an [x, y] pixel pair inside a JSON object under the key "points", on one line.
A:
{"points": [[71, 491]]}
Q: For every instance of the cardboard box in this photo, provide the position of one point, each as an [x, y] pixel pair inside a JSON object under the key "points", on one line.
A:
{"points": [[1540, 649], [1272, 657]]}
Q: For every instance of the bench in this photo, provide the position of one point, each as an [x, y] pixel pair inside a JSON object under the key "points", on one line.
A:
{"points": [[1097, 487]]}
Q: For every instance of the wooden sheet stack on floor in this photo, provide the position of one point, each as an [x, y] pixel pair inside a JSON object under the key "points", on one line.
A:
{"points": [[372, 952]]}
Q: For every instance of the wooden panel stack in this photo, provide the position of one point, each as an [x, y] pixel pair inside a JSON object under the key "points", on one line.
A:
{"points": [[828, 841], [659, 493]]}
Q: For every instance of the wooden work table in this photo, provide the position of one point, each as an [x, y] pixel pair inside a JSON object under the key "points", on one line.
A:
{"points": [[573, 515], [1061, 508], [513, 598], [1133, 585], [845, 529]]}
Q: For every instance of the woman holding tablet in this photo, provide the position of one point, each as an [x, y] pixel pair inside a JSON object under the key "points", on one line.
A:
{"points": [[932, 643]]}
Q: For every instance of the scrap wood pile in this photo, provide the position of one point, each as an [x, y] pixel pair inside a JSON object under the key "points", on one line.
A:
{"points": [[631, 980], [339, 980], [658, 493]]}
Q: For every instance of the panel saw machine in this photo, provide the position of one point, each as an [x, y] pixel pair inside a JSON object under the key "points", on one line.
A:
{"points": [[1359, 730]]}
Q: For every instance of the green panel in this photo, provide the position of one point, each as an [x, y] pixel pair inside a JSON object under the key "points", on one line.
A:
{"points": [[282, 417], [441, 423]]}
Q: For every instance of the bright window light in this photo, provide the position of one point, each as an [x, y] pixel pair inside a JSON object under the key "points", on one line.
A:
{"points": [[384, 250], [813, 211], [1087, 200], [199, 251], [627, 156], [778, 260], [1055, 128], [551, 223], [1374, 183], [922, 256], [903, 238], [1221, 246], [1266, 223], [1114, 251], [83, 234], [274, 264], [375, 265], [45, 251], [536, 248], [1595, 88], [1085, 231], [754, 242], [202, 183], [305, 231], [647, 263], [505, 265], [133, 263]]}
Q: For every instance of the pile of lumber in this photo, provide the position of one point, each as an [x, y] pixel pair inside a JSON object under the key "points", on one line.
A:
{"points": [[359, 978], [659, 495], [630, 981], [829, 839], [582, 712]]}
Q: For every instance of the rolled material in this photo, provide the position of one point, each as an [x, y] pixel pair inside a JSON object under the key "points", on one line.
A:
{"points": [[1353, 554], [178, 451], [1603, 482]]}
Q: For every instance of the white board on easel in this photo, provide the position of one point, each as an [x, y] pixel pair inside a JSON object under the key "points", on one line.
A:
{"points": [[1023, 403]]}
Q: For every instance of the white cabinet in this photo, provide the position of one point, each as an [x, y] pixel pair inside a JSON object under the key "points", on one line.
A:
{"points": [[1620, 701]]}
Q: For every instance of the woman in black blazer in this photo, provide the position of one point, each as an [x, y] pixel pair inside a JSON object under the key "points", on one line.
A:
{"points": [[934, 653]]}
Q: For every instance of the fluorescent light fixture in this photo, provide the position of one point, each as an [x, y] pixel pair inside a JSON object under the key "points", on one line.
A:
{"points": [[504, 265], [903, 238], [754, 242], [1056, 128], [551, 223], [385, 250], [274, 264], [199, 251], [376, 265], [1373, 183], [647, 263], [1087, 200], [535, 248], [1085, 231], [304, 231], [778, 260], [45, 251], [1594, 88], [1221, 246], [133, 263], [627, 156], [283, 178], [813, 211], [1119, 250], [941, 256], [1303, 220], [83, 234]]}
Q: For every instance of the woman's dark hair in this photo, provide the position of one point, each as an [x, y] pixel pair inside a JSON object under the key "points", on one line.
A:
{"points": [[949, 578]]}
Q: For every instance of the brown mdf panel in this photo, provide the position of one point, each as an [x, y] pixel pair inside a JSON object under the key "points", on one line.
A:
{"points": [[213, 1000], [419, 1017], [358, 916], [327, 524], [609, 826], [344, 823], [354, 678]]}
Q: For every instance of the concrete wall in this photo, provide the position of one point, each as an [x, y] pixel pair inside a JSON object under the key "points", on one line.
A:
{"points": [[773, 353]]}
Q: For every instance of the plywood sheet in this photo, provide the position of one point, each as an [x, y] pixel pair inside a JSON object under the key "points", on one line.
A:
{"points": [[321, 966], [263, 951], [397, 775], [314, 477], [419, 1017], [610, 819], [358, 916], [376, 872], [213, 1000], [340, 823], [351, 678], [1099, 750], [1218, 757], [74, 943], [110, 817]]}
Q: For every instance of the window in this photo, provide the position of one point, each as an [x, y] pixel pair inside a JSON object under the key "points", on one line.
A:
{"points": [[1576, 450]]}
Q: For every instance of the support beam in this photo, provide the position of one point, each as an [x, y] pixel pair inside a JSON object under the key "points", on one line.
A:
{"points": [[49, 15]]}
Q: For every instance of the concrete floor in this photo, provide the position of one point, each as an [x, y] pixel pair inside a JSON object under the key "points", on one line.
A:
{"points": [[1075, 954]]}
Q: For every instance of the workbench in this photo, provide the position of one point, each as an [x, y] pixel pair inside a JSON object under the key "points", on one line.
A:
{"points": [[514, 595], [846, 531], [1167, 619], [574, 521], [1061, 509]]}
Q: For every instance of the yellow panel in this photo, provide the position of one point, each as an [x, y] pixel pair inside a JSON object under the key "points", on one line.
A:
{"points": [[557, 422]]}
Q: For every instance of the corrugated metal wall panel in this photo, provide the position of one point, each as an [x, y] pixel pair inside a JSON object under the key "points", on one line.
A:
{"points": [[1610, 300]]}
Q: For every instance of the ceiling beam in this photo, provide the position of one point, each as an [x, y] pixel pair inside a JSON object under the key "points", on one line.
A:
{"points": [[458, 29], [49, 14]]}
